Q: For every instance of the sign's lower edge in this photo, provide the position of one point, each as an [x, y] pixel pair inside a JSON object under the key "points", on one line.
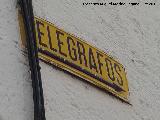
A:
{"points": [[108, 89]]}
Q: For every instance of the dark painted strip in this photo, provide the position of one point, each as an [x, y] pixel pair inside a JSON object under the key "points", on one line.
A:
{"points": [[114, 86]]}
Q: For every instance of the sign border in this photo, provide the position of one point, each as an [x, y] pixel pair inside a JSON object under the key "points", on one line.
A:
{"points": [[45, 55]]}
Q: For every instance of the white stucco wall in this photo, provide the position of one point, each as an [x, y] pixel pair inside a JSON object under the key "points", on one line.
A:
{"points": [[130, 34], [15, 84]]}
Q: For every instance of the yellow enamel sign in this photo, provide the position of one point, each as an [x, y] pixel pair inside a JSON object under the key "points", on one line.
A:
{"points": [[74, 55]]}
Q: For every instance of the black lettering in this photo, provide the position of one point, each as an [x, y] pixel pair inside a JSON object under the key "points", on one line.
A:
{"points": [[110, 71], [92, 60], [81, 52], [120, 80], [50, 42], [99, 62], [60, 43], [69, 40], [40, 33]]}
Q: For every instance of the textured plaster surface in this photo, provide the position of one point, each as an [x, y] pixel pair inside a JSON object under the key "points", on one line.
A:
{"points": [[15, 84], [131, 34]]}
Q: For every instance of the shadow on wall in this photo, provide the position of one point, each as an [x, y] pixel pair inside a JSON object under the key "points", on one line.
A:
{"points": [[1, 118]]}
